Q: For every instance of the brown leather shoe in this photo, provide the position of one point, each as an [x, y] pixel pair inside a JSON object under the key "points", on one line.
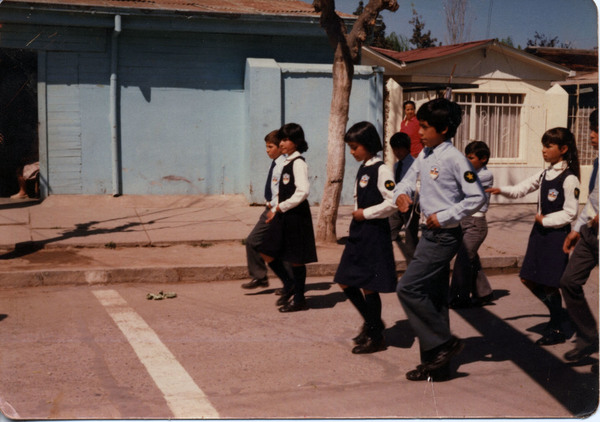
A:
{"points": [[294, 306], [370, 346]]}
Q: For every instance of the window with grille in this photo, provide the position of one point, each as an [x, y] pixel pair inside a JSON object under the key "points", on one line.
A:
{"points": [[579, 123], [492, 118]]}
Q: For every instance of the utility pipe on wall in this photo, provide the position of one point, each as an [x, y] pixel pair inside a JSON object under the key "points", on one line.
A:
{"points": [[114, 110]]}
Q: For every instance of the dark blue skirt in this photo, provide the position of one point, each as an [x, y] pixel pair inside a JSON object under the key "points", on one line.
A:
{"points": [[368, 258], [545, 260]]}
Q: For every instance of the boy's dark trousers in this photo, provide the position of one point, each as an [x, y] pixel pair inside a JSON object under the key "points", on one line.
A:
{"points": [[423, 289], [581, 263]]}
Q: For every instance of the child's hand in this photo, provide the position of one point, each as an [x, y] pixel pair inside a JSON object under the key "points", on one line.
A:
{"points": [[358, 215], [539, 218], [594, 224], [493, 191], [432, 222], [403, 202], [270, 215], [570, 241]]}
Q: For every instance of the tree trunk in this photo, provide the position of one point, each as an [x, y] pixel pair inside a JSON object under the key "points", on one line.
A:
{"points": [[346, 54], [343, 71]]}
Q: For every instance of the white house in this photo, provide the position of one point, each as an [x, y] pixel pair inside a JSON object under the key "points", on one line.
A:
{"points": [[509, 99]]}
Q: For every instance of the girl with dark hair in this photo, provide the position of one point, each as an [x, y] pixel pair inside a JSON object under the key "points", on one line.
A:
{"points": [[410, 126], [367, 266], [290, 236], [558, 204]]}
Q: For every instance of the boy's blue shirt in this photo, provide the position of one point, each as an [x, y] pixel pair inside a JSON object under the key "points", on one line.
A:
{"points": [[486, 177], [449, 186]]}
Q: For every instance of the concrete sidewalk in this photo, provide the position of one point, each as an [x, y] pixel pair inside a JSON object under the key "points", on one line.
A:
{"points": [[75, 239]]}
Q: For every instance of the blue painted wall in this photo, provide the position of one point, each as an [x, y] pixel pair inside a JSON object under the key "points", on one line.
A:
{"points": [[194, 107]]}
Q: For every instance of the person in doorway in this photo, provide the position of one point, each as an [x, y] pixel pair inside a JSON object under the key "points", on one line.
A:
{"points": [[410, 126]]}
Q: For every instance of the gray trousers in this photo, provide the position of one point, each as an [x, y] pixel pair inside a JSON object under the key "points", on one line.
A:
{"points": [[256, 265], [423, 289], [468, 279], [581, 263], [411, 232]]}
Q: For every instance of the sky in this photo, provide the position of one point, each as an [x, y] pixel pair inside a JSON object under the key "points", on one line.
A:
{"points": [[574, 21]]}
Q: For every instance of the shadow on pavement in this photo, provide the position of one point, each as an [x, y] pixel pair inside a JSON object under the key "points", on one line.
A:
{"points": [[577, 392]]}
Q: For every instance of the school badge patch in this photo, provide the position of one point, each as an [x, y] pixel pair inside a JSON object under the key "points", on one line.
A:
{"points": [[576, 193], [390, 185], [552, 195], [434, 172], [364, 181], [285, 178], [470, 177]]}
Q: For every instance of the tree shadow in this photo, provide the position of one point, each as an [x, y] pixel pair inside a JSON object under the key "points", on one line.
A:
{"points": [[499, 341], [400, 335], [325, 301], [80, 230]]}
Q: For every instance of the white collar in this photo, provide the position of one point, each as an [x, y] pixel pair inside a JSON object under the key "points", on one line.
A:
{"points": [[560, 166], [372, 160]]}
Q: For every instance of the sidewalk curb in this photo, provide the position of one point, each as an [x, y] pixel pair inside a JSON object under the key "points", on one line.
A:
{"points": [[186, 274]]}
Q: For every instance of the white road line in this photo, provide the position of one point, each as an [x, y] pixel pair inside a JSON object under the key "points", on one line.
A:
{"points": [[184, 397]]}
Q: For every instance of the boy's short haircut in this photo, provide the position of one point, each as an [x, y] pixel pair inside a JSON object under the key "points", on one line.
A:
{"points": [[441, 114], [480, 149], [272, 138], [400, 140], [594, 121]]}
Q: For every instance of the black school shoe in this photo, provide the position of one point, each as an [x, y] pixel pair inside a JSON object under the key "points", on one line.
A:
{"points": [[552, 337], [362, 336], [284, 298], [442, 357], [422, 374], [256, 282], [578, 354], [294, 306], [371, 345]]}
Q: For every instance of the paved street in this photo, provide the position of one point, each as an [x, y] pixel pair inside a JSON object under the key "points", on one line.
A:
{"points": [[217, 350]]}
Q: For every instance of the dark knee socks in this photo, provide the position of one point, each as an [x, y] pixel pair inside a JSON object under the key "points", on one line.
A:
{"points": [[299, 283], [354, 294], [374, 323], [552, 299], [280, 271]]}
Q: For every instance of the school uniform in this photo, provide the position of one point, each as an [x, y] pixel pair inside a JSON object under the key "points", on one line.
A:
{"points": [[468, 279], [558, 202], [290, 236], [368, 258], [450, 189], [256, 265], [581, 263], [409, 220]]}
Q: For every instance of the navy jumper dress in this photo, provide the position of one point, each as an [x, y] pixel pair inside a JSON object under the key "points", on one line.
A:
{"points": [[368, 258], [545, 260], [291, 236]]}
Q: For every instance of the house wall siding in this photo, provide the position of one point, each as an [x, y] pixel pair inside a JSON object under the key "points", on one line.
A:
{"points": [[183, 102]]}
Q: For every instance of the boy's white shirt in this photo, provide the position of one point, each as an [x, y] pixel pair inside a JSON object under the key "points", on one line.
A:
{"points": [[571, 206], [387, 206], [300, 169]]}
